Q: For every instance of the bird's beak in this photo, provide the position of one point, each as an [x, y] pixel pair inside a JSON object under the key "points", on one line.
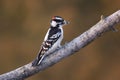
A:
{"points": [[66, 22]]}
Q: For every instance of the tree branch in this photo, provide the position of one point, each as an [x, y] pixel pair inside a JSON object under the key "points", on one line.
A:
{"points": [[104, 25]]}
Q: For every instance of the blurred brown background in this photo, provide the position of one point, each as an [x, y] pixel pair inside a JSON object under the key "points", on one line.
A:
{"points": [[23, 24]]}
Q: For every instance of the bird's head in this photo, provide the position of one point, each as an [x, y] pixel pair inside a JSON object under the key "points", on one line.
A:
{"points": [[58, 21]]}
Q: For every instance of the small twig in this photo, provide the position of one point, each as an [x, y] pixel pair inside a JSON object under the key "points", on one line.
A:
{"points": [[104, 25]]}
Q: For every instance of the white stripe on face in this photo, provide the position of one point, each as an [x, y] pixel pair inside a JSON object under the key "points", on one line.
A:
{"points": [[58, 18], [53, 23]]}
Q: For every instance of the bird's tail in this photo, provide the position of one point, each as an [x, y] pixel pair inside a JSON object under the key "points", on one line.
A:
{"points": [[38, 60], [35, 62]]}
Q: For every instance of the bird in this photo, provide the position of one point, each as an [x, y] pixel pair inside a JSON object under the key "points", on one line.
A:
{"points": [[52, 40]]}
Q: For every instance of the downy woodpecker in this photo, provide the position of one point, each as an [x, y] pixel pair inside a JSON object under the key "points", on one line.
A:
{"points": [[52, 39]]}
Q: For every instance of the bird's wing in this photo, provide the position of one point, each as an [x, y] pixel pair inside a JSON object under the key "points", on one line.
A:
{"points": [[51, 37]]}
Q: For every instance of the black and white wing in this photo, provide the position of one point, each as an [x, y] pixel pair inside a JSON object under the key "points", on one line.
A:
{"points": [[50, 39]]}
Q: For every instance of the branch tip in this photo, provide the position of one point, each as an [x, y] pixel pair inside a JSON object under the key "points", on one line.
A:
{"points": [[102, 17]]}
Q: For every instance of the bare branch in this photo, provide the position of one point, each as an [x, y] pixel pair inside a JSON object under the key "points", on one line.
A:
{"points": [[104, 25]]}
